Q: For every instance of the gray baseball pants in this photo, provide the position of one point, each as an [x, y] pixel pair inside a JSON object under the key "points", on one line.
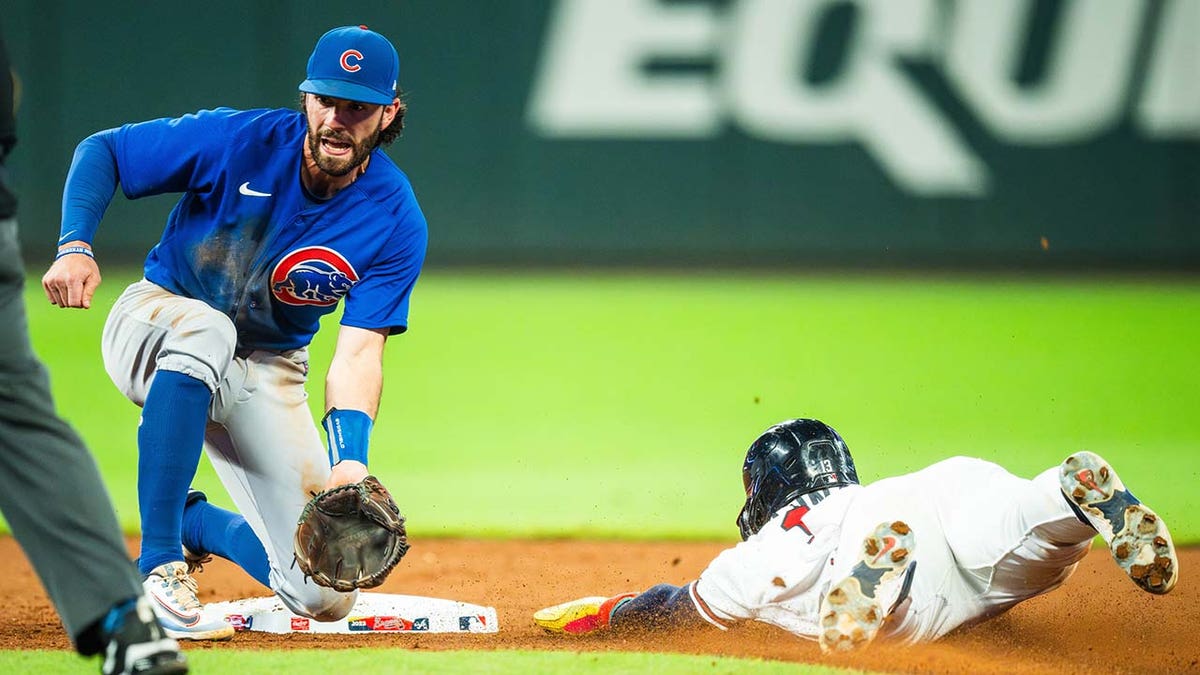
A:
{"points": [[261, 438], [51, 492]]}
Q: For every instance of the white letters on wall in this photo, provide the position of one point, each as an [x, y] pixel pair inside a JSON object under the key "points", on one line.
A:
{"points": [[592, 82]]}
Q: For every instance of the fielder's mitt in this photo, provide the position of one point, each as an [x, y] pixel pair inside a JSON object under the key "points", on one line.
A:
{"points": [[350, 536]]}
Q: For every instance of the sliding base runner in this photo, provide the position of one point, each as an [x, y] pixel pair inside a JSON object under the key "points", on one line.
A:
{"points": [[372, 613]]}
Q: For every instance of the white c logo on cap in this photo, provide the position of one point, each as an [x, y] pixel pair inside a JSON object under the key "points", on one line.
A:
{"points": [[345, 60]]}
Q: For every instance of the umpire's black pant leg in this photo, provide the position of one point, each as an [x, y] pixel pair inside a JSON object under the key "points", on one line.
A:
{"points": [[51, 492]]}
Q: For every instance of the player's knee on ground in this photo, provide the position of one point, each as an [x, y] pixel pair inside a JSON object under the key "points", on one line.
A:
{"points": [[308, 599]]}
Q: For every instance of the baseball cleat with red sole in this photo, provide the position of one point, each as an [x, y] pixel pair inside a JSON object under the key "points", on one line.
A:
{"points": [[579, 617], [856, 607], [1137, 538], [574, 617]]}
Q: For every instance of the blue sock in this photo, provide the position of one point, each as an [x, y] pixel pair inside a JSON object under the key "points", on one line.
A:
{"points": [[116, 615], [170, 439], [212, 529]]}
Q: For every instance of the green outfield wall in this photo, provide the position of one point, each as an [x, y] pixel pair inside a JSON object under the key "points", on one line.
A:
{"points": [[1029, 133]]}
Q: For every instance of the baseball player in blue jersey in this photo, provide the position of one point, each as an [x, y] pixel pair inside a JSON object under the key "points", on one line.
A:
{"points": [[910, 558], [283, 214]]}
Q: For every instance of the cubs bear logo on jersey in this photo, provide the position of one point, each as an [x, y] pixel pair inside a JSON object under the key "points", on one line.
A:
{"points": [[313, 275]]}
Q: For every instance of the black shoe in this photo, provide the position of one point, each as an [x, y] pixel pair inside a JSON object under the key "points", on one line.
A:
{"points": [[137, 644]]}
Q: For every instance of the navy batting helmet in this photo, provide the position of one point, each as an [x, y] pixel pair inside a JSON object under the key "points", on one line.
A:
{"points": [[790, 459]]}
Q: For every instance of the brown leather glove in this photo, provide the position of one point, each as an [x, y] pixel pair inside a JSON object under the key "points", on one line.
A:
{"points": [[350, 536]]}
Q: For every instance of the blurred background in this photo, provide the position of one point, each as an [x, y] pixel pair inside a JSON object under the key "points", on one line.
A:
{"points": [[778, 134], [658, 226]]}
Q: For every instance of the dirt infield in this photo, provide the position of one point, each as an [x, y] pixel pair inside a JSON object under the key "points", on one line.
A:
{"points": [[1098, 622]]}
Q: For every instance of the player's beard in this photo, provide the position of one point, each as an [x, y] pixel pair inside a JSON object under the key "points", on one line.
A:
{"points": [[336, 166]]}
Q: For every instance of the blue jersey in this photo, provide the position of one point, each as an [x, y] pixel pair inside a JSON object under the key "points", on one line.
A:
{"points": [[249, 240]]}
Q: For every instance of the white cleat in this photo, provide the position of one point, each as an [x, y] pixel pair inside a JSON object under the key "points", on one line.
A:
{"points": [[172, 596], [1137, 538], [855, 608]]}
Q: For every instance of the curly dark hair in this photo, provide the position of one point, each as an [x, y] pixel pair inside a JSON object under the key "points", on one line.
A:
{"points": [[392, 131]]}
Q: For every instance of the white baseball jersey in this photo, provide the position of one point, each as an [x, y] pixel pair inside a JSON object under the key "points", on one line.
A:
{"points": [[985, 540]]}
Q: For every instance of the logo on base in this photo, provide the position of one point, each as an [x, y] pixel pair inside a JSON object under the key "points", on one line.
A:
{"points": [[466, 622], [388, 624], [239, 622]]}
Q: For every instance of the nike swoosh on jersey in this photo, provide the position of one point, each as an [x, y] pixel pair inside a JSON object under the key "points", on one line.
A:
{"points": [[245, 189], [66, 237]]}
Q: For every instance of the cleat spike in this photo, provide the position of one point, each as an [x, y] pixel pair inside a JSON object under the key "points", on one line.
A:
{"points": [[855, 608], [1134, 533]]}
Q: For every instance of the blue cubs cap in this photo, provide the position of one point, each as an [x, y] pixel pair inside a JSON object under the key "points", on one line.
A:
{"points": [[354, 63]]}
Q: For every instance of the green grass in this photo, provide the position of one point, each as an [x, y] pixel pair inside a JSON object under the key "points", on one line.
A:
{"points": [[620, 405], [407, 661]]}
